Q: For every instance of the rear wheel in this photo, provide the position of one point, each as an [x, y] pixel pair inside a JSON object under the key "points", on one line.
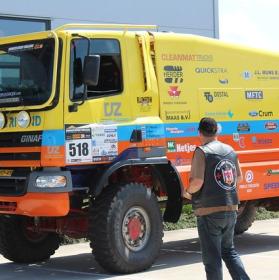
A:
{"points": [[126, 228], [20, 244], [246, 216]]}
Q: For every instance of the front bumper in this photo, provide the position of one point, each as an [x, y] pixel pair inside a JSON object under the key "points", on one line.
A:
{"points": [[33, 201]]}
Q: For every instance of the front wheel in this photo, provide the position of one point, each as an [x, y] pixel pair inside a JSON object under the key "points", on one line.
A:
{"points": [[20, 244], [126, 228]]}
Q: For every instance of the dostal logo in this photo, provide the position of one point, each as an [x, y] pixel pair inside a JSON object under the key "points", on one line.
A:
{"points": [[174, 92], [208, 96], [225, 174]]}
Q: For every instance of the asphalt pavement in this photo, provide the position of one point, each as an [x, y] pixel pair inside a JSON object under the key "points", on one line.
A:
{"points": [[180, 258]]}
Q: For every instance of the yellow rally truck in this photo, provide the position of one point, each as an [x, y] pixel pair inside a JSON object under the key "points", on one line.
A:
{"points": [[99, 122]]}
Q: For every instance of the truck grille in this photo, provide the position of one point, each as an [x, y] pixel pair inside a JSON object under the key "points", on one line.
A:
{"points": [[20, 149], [15, 184]]}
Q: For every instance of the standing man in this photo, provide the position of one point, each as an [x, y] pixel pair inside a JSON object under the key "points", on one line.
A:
{"points": [[215, 173]]}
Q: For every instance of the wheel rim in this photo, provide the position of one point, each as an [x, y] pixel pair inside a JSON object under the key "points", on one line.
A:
{"points": [[30, 234], [136, 228]]}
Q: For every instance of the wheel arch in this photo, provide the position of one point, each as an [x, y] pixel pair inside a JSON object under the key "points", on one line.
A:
{"points": [[163, 171]]}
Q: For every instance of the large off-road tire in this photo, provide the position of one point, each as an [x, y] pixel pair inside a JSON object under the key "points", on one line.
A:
{"points": [[21, 245], [246, 216], [125, 228]]}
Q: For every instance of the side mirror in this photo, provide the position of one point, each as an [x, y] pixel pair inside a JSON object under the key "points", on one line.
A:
{"points": [[91, 70]]}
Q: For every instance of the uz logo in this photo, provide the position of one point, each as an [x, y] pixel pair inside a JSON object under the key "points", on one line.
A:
{"points": [[112, 109]]}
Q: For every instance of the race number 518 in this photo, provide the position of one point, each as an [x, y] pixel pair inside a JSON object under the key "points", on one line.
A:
{"points": [[79, 151]]}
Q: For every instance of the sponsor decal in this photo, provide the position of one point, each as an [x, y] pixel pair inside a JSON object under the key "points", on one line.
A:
{"points": [[178, 115], [215, 94], [229, 114], [272, 172], [185, 148], [261, 113], [145, 103], [246, 75], [249, 176], [270, 125], [186, 57], [6, 172], [271, 186], [153, 131], [172, 146], [174, 130], [173, 74], [210, 70], [225, 174], [78, 145], [253, 114], [243, 127], [32, 138], [261, 141], [253, 94], [267, 74], [174, 92], [240, 139], [112, 109], [223, 81], [10, 97]]}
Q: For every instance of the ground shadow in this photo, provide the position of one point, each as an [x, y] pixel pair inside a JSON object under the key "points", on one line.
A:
{"points": [[173, 254]]}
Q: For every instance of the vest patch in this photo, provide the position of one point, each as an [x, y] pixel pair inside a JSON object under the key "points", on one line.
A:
{"points": [[225, 174]]}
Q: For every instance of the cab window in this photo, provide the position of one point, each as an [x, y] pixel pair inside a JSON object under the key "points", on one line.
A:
{"points": [[110, 77]]}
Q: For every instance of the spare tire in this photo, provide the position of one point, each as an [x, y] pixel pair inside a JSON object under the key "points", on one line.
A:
{"points": [[245, 217]]}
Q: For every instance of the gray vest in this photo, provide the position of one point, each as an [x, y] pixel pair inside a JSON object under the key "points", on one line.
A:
{"points": [[219, 187]]}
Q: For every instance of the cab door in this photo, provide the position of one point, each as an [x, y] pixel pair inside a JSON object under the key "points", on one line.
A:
{"points": [[93, 115]]}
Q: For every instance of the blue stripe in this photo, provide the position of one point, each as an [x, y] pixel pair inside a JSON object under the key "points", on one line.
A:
{"points": [[169, 130], [53, 138]]}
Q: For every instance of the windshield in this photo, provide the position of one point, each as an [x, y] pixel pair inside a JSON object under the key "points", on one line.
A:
{"points": [[26, 71]]}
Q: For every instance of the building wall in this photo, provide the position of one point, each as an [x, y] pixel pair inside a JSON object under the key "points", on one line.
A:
{"points": [[185, 16]]}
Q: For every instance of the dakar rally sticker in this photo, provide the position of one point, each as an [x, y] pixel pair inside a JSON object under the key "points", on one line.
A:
{"points": [[225, 174]]}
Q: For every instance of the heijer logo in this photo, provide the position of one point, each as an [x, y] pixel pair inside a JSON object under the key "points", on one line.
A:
{"points": [[173, 74]]}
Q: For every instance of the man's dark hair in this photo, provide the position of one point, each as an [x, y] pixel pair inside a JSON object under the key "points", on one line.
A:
{"points": [[208, 127]]}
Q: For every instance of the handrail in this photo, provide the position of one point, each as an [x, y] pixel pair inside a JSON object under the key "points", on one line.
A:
{"points": [[104, 26]]}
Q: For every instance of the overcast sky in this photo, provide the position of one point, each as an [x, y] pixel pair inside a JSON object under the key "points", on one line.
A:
{"points": [[250, 22]]}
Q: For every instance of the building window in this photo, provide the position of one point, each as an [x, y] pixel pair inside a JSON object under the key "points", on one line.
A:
{"points": [[16, 25]]}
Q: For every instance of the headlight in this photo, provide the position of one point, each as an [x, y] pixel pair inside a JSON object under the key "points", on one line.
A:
{"points": [[51, 182], [2, 120], [23, 119]]}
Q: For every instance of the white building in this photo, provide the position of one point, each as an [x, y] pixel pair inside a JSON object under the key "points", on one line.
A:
{"points": [[185, 16]]}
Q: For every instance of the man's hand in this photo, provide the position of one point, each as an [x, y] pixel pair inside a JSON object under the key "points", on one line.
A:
{"points": [[187, 195]]}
